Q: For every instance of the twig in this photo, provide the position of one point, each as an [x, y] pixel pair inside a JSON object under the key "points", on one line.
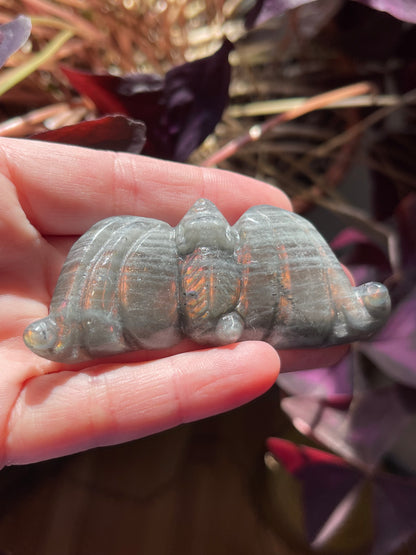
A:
{"points": [[84, 27], [53, 23], [383, 234], [362, 125], [23, 125], [314, 103], [270, 107]]}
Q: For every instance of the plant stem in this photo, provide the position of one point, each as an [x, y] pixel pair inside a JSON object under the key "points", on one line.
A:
{"points": [[314, 103]]}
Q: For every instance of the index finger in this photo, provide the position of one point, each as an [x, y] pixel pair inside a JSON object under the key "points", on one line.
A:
{"points": [[64, 189]]}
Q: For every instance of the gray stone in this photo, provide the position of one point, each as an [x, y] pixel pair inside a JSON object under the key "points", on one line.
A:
{"points": [[133, 283]]}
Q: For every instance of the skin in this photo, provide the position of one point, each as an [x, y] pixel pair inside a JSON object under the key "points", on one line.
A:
{"points": [[50, 194]]}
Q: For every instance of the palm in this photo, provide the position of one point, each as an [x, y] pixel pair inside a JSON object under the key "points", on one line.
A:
{"points": [[51, 194]]}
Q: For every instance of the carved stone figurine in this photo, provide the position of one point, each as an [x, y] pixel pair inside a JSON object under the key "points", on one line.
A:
{"points": [[134, 283]]}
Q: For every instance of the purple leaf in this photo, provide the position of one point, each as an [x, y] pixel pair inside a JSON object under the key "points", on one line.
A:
{"points": [[179, 110], [406, 218], [295, 457], [131, 95], [393, 350], [341, 504], [316, 419], [363, 257], [266, 9], [196, 94], [401, 9], [139, 96], [108, 133], [362, 434], [311, 16], [325, 383], [325, 481], [394, 510], [376, 418], [339, 497], [13, 35], [349, 237]]}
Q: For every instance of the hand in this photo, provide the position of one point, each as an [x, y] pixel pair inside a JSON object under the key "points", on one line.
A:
{"points": [[52, 193]]}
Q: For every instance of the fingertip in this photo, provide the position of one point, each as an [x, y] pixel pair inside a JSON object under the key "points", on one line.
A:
{"points": [[261, 358]]}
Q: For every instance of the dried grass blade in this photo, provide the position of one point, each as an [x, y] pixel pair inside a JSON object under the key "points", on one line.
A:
{"points": [[11, 77]]}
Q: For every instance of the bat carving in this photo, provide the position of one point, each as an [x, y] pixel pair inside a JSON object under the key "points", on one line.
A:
{"points": [[133, 283]]}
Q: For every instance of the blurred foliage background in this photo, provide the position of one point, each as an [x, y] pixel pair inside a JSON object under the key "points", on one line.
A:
{"points": [[318, 98]]}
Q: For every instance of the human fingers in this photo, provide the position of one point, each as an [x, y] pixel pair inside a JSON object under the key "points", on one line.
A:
{"points": [[67, 412], [65, 189]]}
